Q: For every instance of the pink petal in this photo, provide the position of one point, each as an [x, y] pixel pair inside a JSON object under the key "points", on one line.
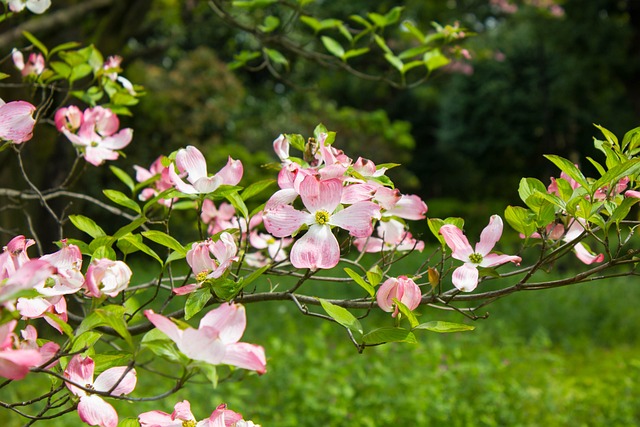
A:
{"points": [[456, 241], [490, 235], [465, 277], [229, 320], [358, 193], [186, 289], [585, 256], [165, 325], [97, 155], [157, 419], [357, 218], [231, 173], [180, 185], [15, 364], [284, 220], [285, 196], [320, 195], [126, 383], [199, 257], [386, 293], [80, 371], [246, 356], [409, 207], [182, 411], [96, 412], [318, 248], [492, 260], [16, 121], [192, 161], [206, 185], [119, 140], [202, 344]]}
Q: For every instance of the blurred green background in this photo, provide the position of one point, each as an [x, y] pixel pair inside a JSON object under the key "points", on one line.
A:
{"points": [[535, 85]]}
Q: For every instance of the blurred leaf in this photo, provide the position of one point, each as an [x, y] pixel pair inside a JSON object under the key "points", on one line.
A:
{"points": [[123, 176], [388, 334], [121, 199], [375, 275], [444, 327], [256, 188], [434, 59], [111, 316], [37, 43], [332, 46], [277, 57], [270, 24], [342, 316]]}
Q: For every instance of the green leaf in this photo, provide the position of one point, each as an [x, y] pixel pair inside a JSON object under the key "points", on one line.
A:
{"points": [[87, 225], [127, 229], [164, 239], [388, 334], [253, 276], [64, 46], [444, 327], [311, 22], [111, 316], [4, 76], [434, 59], [121, 199], [103, 251], [529, 186], [234, 198], [156, 341], [61, 68], [569, 168], [296, 141], [123, 176], [80, 71], [210, 372], [174, 256], [393, 15], [332, 46], [360, 20], [270, 24], [622, 211], [226, 289], [256, 188], [395, 61], [419, 35], [196, 301], [253, 4], [277, 57], [37, 43], [520, 219], [85, 340], [68, 331], [609, 136], [133, 241], [411, 317], [129, 422], [104, 361], [342, 316], [383, 45], [351, 53], [374, 275], [615, 174], [360, 281]]}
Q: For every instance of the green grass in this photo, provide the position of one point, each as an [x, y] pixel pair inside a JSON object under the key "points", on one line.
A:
{"points": [[567, 356]]}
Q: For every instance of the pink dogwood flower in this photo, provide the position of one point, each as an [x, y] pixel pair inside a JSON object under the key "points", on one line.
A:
{"points": [[92, 408], [107, 277], [182, 416], [34, 65], [402, 289], [28, 276], [203, 266], [29, 341], [465, 277], [70, 118], [319, 248], [216, 339], [162, 183], [574, 232], [14, 255], [191, 161], [16, 121], [15, 363], [97, 137]]}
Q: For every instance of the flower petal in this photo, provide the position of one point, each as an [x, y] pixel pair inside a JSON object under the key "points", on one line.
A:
{"points": [[357, 218], [165, 325], [318, 248], [490, 235], [585, 255], [125, 381], [465, 277], [492, 260], [192, 161], [284, 220], [320, 195], [231, 173], [247, 356], [457, 242], [94, 411], [229, 320], [80, 371]]}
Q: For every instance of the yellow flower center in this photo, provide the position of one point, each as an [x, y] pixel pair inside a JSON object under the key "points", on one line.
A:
{"points": [[202, 276], [189, 423], [475, 258], [322, 217]]}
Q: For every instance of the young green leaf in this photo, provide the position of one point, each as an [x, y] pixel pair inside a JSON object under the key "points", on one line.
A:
{"points": [[388, 334], [87, 225], [444, 327], [342, 316], [360, 281], [196, 301]]}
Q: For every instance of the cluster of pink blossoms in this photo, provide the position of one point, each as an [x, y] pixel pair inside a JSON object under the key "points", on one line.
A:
{"points": [[336, 192], [52, 277], [182, 416], [94, 132]]}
